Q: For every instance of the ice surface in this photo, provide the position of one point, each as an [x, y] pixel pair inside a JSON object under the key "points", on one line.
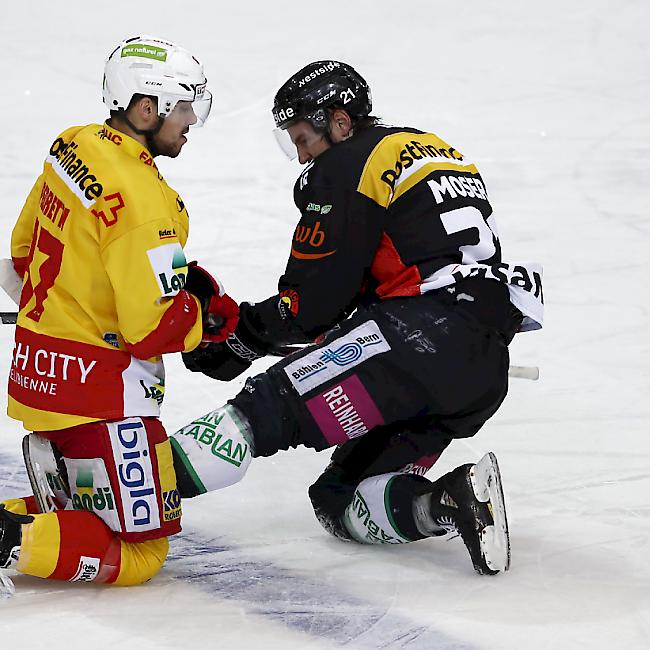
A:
{"points": [[553, 102]]}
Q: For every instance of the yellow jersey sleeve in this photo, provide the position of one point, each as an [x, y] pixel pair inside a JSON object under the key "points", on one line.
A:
{"points": [[147, 269]]}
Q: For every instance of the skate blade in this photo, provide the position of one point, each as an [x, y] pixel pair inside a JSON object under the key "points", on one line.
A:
{"points": [[7, 588], [39, 462], [495, 540]]}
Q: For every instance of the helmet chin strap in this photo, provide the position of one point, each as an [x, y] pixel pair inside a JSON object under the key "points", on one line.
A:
{"points": [[147, 133]]}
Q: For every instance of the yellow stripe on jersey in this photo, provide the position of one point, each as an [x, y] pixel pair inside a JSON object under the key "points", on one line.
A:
{"points": [[42, 421], [171, 498], [401, 160], [39, 549]]}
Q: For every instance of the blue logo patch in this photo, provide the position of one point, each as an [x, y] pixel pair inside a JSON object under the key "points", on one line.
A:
{"points": [[316, 368]]}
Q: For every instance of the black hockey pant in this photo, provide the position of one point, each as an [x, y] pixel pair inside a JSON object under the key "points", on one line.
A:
{"points": [[395, 382]]}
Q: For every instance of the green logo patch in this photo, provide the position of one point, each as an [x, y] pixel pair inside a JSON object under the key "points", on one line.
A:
{"points": [[87, 497], [374, 533], [204, 432], [316, 207], [146, 51]]}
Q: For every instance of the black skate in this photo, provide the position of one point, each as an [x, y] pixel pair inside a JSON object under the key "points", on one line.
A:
{"points": [[470, 502], [10, 535]]}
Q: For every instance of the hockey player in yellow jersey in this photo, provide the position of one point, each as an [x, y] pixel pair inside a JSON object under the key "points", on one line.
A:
{"points": [[106, 292]]}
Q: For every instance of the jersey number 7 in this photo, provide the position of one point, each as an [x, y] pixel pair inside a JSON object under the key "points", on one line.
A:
{"points": [[52, 248]]}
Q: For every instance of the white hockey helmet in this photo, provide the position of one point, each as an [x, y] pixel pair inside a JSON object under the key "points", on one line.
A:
{"points": [[151, 66]]}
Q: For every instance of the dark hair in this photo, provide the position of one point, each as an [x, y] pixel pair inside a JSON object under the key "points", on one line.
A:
{"points": [[366, 122], [359, 123]]}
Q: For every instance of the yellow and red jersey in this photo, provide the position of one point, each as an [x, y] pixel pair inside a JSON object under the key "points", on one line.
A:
{"points": [[99, 244]]}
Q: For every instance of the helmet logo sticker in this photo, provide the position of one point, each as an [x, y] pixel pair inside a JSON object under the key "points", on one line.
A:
{"points": [[283, 114], [347, 95], [146, 51], [199, 91], [328, 67], [325, 97]]}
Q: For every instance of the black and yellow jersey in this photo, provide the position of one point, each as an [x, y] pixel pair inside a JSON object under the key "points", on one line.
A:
{"points": [[393, 212]]}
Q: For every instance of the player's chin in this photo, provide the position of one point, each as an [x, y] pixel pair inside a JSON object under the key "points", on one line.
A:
{"points": [[181, 142], [174, 149]]}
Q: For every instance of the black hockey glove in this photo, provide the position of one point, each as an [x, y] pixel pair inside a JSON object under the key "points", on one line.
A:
{"points": [[226, 360]]}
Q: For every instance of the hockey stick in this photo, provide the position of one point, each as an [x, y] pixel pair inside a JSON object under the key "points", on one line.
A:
{"points": [[10, 281], [12, 284], [524, 372], [520, 372]]}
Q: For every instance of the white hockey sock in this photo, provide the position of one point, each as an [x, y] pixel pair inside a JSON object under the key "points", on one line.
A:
{"points": [[368, 518], [215, 449]]}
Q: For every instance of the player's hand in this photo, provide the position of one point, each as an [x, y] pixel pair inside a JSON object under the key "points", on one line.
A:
{"points": [[220, 312], [228, 359]]}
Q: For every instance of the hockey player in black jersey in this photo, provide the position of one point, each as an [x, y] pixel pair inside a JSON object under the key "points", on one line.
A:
{"points": [[396, 284]]}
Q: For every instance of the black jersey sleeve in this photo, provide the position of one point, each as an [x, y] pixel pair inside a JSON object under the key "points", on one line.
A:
{"points": [[331, 252]]}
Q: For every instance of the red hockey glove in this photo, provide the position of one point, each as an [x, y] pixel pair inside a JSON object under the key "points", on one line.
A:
{"points": [[220, 311]]}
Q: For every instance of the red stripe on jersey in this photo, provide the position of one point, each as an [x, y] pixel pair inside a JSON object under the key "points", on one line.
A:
{"points": [[62, 376], [112, 562], [170, 334], [32, 506], [84, 534], [393, 276], [20, 265]]}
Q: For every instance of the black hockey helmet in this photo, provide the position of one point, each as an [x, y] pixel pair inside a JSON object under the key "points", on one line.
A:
{"points": [[318, 86]]}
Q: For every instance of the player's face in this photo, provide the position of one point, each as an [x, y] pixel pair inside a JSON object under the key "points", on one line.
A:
{"points": [[308, 142], [170, 139]]}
